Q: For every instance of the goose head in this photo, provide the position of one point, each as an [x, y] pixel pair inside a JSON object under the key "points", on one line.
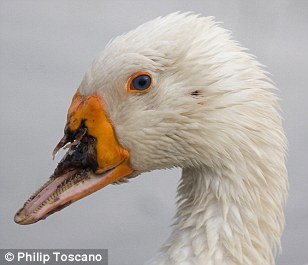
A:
{"points": [[175, 92]]}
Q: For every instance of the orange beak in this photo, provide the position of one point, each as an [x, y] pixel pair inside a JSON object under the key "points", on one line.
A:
{"points": [[90, 110], [94, 159]]}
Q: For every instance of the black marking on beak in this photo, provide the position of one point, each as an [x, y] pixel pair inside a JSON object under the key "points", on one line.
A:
{"points": [[70, 137], [82, 155]]}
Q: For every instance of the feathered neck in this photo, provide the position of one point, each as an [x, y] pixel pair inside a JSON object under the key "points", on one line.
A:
{"points": [[224, 218], [213, 113]]}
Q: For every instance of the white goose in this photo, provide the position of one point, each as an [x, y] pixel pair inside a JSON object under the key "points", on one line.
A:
{"points": [[179, 92]]}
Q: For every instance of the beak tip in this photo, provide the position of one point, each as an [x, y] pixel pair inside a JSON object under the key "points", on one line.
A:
{"points": [[20, 216]]}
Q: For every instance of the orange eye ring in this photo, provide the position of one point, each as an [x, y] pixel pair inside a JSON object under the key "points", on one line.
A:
{"points": [[140, 82]]}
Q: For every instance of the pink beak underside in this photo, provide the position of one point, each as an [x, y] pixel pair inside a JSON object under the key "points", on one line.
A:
{"points": [[58, 193]]}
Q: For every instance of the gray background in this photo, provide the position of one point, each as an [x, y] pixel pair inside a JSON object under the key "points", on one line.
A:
{"points": [[46, 46]]}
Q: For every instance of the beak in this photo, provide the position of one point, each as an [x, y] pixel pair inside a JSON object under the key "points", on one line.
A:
{"points": [[94, 160]]}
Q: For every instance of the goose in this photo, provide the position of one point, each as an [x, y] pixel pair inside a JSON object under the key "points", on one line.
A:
{"points": [[178, 91]]}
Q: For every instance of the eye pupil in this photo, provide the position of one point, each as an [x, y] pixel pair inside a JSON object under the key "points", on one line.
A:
{"points": [[141, 82]]}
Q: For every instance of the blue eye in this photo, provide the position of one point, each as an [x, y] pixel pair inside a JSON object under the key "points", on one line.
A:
{"points": [[140, 82]]}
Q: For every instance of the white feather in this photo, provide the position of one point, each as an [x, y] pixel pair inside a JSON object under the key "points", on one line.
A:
{"points": [[212, 112]]}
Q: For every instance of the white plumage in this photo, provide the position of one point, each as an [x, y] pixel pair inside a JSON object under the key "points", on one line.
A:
{"points": [[212, 112]]}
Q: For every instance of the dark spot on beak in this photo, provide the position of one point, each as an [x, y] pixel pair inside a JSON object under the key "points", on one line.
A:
{"points": [[81, 155]]}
